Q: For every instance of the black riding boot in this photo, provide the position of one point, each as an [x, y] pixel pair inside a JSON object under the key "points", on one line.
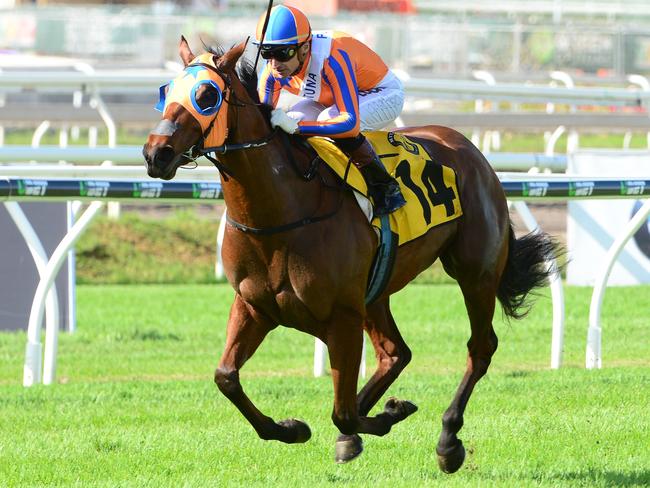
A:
{"points": [[383, 188]]}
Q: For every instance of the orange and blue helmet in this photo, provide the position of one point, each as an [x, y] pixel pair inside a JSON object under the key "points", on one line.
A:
{"points": [[287, 26]]}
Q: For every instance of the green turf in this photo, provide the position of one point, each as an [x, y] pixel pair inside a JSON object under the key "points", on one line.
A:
{"points": [[136, 405]]}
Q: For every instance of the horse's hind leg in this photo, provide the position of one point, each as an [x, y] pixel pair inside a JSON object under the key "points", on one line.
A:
{"points": [[480, 297], [392, 357], [344, 340]]}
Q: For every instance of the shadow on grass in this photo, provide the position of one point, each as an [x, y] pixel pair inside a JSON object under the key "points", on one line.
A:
{"points": [[597, 477], [147, 335], [592, 477]]}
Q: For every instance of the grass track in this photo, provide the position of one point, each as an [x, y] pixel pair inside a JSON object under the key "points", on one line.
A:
{"points": [[140, 409]]}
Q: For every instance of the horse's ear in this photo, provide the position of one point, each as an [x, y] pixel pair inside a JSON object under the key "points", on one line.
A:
{"points": [[228, 61], [185, 52]]}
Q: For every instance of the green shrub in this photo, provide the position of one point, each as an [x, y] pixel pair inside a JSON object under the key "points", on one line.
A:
{"points": [[177, 248]]}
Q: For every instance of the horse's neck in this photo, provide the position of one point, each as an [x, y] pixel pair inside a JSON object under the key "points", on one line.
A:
{"points": [[265, 189]]}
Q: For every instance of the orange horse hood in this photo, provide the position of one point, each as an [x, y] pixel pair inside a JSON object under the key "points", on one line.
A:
{"points": [[182, 90]]}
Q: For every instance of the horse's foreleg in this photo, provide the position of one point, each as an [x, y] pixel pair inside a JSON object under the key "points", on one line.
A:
{"points": [[246, 331], [481, 346]]}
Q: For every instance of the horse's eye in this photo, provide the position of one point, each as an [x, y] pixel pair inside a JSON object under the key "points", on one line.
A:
{"points": [[207, 97]]}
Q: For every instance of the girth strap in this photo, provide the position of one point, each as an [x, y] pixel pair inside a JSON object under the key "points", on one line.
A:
{"points": [[384, 261], [264, 231]]}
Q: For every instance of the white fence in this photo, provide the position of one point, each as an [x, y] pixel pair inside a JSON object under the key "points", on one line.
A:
{"points": [[518, 187], [130, 81], [95, 87], [123, 155]]}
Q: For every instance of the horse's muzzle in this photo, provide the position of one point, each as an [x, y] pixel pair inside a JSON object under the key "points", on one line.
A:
{"points": [[159, 161]]}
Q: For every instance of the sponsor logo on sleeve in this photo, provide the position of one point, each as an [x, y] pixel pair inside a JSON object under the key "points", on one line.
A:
{"points": [[311, 85]]}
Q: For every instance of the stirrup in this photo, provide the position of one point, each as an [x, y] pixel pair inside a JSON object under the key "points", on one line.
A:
{"points": [[391, 200]]}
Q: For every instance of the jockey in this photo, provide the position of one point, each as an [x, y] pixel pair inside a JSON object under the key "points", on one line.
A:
{"points": [[344, 87]]}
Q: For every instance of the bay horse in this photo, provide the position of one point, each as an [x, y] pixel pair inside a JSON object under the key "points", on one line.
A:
{"points": [[298, 251]]}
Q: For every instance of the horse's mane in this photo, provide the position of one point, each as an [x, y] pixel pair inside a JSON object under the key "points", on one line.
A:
{"points": [[248, 77]]}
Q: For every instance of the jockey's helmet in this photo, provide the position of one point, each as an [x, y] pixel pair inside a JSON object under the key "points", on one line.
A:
{"points": [[287, 26]]}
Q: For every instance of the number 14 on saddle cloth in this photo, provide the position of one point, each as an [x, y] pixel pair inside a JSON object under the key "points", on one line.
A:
{"points": [[429, 187]]}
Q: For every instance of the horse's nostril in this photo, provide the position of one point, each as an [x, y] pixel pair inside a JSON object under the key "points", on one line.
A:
{"points": [[164, 154], [145, 154]]}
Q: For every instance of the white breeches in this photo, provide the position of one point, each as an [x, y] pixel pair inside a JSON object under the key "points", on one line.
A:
{"points": [[378, 106]]}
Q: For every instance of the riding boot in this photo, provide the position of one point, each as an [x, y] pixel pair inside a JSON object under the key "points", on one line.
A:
{"points": [[382, 187]]}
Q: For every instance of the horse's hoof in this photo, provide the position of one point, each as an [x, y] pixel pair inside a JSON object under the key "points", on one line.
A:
{"points": [[348, 447], [450, 460], [399, 409], [299, 431]]}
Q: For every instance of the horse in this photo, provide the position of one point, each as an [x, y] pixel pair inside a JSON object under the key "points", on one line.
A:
{"points": [[298, 250]]}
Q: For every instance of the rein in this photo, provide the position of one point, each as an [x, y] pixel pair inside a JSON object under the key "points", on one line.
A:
{"points": [[308, 175], [225, 148]]}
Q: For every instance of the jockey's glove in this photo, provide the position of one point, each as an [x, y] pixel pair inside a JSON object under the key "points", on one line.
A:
{"points": [[279, 118]]}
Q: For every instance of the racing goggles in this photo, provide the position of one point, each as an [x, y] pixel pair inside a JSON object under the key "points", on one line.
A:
{"points": [[280, 53]]}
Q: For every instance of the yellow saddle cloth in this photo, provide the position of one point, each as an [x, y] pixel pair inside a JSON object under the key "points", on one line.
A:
{"points": [[429, 188]]}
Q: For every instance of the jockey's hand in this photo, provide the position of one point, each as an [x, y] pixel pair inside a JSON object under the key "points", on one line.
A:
{"points": [[279, 118]]}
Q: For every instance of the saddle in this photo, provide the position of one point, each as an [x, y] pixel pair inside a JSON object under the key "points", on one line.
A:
{"points": [[429, 187]]}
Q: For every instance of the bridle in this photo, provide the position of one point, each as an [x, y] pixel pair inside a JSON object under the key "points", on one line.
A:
{"points": [[196, 151]]}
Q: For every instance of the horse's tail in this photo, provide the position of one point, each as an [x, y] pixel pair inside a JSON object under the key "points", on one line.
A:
{"points": [[530, 263]]}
